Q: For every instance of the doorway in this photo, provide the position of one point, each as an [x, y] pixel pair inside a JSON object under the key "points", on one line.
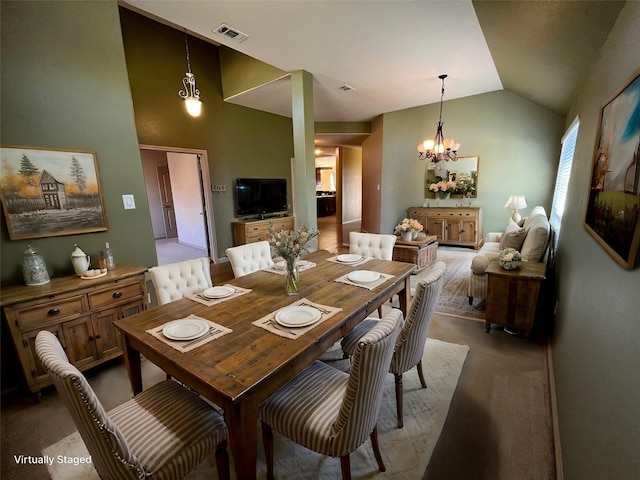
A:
{"points": [[180, 205]]}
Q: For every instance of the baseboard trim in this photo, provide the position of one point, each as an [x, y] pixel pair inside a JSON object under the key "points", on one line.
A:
{"points": [[555, 425]]}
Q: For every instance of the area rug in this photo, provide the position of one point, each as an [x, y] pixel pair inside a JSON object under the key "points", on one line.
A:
{"points": [[454, 299], [406, 452]]}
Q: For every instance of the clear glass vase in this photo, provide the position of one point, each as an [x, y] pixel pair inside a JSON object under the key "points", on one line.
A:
{"points": [[292, 277]]}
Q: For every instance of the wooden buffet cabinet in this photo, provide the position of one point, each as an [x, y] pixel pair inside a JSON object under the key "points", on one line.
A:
{"points": [[461, 226], [79, 312], [249, 231]]}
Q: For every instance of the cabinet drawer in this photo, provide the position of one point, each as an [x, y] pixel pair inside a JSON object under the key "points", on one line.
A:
{"points": [[283, 223], [115, 294], [257, 237], [57, 310]]}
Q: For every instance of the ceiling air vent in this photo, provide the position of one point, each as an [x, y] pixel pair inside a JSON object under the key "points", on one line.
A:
{"points": [[231, 33]]}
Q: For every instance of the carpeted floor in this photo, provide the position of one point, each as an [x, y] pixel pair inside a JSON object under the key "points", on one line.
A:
{"points": [[406, 451], [453, 299]]}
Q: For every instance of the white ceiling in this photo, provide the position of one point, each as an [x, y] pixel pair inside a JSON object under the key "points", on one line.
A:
{"points": [[390, 52]]}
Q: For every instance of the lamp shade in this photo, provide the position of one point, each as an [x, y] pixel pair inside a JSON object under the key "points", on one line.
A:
{"points": [[516, 202]]}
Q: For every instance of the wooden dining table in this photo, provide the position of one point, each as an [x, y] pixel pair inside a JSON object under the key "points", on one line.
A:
{"points": [[242, 368]]}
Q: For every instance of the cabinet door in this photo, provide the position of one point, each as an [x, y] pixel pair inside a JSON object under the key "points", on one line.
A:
{"points": [[37, 377], [107, 339], [468, 232], [79, 337], [452, 231], [130, 309], [435, 226]]}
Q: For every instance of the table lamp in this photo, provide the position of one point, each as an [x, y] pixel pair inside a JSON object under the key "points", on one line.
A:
{"points": [[515, 203]]}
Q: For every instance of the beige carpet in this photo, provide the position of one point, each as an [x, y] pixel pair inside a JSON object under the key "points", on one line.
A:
{"points": [[454, 299], [406, 451]]}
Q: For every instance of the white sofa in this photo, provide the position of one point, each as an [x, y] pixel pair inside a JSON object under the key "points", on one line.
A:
{"points": [[534, 235]]}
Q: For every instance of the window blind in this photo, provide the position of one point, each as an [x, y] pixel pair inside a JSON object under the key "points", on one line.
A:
{"points": [[564, 173]]}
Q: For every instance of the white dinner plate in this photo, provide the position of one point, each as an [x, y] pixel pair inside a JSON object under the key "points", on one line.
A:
{"points": [[282, 264], [349, 258], [186, 329], [363, 276], [218, 292], [298, 316]]}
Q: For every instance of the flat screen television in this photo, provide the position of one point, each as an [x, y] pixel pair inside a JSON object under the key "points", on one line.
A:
{"points": [[260, 196]]}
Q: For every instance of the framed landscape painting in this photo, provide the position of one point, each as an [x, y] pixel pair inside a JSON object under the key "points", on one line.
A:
{"points": [[613, 210], [47, 193]]}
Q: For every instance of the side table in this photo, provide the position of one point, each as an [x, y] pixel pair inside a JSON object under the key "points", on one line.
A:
{"points": [[421, 252], [512, 295]]}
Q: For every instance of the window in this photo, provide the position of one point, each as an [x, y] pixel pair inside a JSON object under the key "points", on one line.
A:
{"points": [[564, 172]]}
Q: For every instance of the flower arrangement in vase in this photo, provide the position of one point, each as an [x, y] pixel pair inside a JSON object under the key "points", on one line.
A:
{"points": [[443, 188], [290, 244], [407, 228], [510, 259]]}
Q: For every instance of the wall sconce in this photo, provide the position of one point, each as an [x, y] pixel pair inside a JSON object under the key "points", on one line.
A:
{"points": [[190, 94], [515, 203]]}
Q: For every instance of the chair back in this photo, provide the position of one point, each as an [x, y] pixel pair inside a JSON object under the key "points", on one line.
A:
{"points": [[360, 407], [177, 280], [249, 258], [373, 245], [109, 451], [412, 338]]}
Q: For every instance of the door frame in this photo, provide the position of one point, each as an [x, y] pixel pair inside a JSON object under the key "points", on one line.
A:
{"points": [[205, 179]]}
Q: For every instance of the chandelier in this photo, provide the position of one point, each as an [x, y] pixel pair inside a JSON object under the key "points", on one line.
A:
{"points": [[441, 148], [190, 94]]}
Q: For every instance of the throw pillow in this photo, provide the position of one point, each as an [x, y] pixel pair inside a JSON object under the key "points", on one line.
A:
{"points": [[506, 237]]}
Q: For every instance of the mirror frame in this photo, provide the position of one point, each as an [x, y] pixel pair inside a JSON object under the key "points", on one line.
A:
{"points": [[452, 172]]}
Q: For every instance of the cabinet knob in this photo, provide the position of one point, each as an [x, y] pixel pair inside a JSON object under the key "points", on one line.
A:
{"points": [[90, 337], [54, 311], [97, 337], [117, 294]]}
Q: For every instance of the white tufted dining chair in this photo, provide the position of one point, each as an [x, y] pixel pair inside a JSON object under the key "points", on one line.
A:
{"points": [[332, 412], [249, 257], [161, 433], [177, 280], [373, 245], [410, 344]]}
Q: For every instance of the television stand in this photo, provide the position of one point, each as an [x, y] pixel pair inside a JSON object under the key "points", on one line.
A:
{"points": [[249, 231]]}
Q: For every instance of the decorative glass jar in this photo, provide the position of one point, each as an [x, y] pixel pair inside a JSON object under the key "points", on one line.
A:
{"points": [[34, 269]]}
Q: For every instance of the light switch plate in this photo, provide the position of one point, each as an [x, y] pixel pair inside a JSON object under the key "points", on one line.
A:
{"points": [[129, 202]]}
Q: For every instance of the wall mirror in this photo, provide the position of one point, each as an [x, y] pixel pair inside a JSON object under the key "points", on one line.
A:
{"points": [[459, 178]]}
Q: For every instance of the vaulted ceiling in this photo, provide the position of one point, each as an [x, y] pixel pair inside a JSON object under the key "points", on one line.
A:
{"points": [[392, 52]]}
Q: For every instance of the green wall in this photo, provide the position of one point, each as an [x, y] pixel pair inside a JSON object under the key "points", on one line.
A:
{"points": [[64, 85], [596, 345], [240, 141], [518, 143]]}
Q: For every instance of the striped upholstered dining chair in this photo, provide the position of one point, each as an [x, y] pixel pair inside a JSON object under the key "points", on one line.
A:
{"points": [[330, 411], [162, 433], [410, 344]]}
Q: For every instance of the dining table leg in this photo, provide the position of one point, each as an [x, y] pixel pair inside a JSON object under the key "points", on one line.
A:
{"points": [[405, 296], [242, 424], [132, 362]]}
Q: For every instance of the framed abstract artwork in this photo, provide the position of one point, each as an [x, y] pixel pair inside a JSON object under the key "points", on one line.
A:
{"points": [[613, 209], [47, 192]]}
